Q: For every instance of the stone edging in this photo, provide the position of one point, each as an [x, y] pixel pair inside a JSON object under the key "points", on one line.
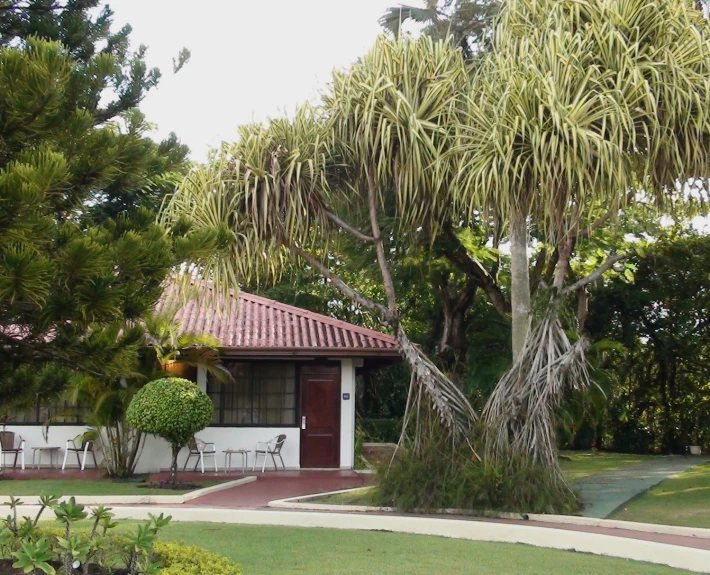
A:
{"points": [[302, 503], [140, 499]]}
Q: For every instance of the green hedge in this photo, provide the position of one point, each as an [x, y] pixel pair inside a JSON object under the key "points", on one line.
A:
{"points": [[188, 560], [381, 430]]}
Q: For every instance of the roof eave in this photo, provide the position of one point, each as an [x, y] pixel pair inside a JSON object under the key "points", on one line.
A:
{"points": [[307, 352]]}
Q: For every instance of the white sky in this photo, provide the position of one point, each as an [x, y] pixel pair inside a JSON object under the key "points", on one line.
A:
{"points": [[250, 59]]}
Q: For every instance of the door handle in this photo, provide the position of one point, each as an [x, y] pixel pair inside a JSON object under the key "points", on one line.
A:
{"points": [[303, 422]]}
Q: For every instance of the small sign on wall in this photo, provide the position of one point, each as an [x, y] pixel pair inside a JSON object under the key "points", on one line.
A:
{"points": [[346, 396]]}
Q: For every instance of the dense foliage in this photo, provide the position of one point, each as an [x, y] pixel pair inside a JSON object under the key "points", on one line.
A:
{"points": [[437, 478], [190, 560], [661, 402], [172, 408], [81, 260]]}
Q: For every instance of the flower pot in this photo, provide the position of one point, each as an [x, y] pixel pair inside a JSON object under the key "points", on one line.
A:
{"points": [[694, 450]]}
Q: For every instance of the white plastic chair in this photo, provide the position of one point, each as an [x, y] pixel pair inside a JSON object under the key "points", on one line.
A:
{"points": [[272, 448], [9, 447], [199, 449], [86, 446]]}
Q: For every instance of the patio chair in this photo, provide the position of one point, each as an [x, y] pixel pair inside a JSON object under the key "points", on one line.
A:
{"points": [[79, 445], [272, 448], [199, 449], [8, 444]]}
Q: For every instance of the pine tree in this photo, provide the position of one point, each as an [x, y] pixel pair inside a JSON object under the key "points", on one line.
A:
{"points": [[81, 259], [103, 64]]}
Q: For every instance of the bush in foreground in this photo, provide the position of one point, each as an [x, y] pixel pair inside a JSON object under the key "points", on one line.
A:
{"points": [[189, 560], [439, 477], [28, 546]]}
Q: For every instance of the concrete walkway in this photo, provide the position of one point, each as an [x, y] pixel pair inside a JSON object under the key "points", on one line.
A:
{"points": [[605, 492]]}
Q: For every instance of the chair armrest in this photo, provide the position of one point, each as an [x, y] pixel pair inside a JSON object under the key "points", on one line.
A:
{"points": [[22, 445], [204, 444], [260, 443], [70, 442]]}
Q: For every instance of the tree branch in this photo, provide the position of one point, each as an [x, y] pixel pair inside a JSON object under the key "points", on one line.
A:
{"points": [[379, 246], [595, 275], [339, 283], [49, 353], [348, 228], [460, 258], [600, 221]]}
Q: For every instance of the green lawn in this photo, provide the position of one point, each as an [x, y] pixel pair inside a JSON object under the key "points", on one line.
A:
{"points": [[681, 500], [359, 497], [297, 551], [578, 464], [24, 487]]}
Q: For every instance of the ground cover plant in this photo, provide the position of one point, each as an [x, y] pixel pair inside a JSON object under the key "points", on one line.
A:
{"points": [[85, 541]]}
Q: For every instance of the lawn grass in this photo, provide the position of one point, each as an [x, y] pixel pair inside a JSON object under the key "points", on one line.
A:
{"points": [[579, 464], [63, 487], [681, 500], [361, 496], [292, 550]]}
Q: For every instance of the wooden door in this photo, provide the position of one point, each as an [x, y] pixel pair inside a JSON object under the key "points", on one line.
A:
{"points": [[320, 416]]}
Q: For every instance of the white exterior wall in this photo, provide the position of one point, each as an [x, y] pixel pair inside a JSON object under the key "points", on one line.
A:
{"points": [[347, 413], [156, 452]]}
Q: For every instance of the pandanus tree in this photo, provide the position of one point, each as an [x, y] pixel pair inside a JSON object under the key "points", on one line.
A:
{"points": [[380, 144], [579, 105]]}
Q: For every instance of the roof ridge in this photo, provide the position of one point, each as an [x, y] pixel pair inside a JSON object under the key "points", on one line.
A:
{"points": [[319, 316]]}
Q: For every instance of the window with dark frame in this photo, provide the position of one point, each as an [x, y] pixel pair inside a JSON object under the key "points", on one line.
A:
{"points": [[60, 411], [263, 394]]}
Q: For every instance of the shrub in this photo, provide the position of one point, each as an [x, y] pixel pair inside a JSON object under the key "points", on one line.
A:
{"points": [[75, 550], [172, 408], [381, 430], [188, 560], [441, 478]]}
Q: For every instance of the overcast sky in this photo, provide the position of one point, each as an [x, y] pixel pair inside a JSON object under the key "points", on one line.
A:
{"points": [[250, 59]]}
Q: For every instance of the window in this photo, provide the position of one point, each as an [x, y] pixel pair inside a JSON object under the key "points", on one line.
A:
{"points": [[58, 410], [263, 394]]}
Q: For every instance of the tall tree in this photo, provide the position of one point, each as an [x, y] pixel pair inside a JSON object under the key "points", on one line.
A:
{"points": [[107, 82], [576, 108], [69, 275], [290, 189], [467, 23]]}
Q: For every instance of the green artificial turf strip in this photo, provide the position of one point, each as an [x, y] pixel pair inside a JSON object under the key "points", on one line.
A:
{"points": [[293, 550], [579, 464], [681, 500], [24, 487]]}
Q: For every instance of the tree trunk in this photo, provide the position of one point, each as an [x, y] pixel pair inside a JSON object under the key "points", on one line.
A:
{"points": [[174, 465], [519, 281], [452, 342]]}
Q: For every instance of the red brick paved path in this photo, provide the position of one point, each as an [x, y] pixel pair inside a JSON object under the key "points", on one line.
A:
{"points": [[281, 485]]}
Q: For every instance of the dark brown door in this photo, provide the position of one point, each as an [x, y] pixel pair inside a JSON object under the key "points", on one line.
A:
{"points": [[320, 416]]}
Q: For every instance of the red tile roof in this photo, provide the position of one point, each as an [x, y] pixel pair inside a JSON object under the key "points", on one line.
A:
{"points": [[254, 324]]}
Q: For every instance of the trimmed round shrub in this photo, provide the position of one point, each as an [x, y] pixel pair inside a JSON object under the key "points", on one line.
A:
{"points": [[188, 560], [172, 408]]}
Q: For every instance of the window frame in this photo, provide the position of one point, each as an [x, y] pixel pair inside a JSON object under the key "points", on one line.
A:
{"points": [[37, 408], [297, 396]]}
